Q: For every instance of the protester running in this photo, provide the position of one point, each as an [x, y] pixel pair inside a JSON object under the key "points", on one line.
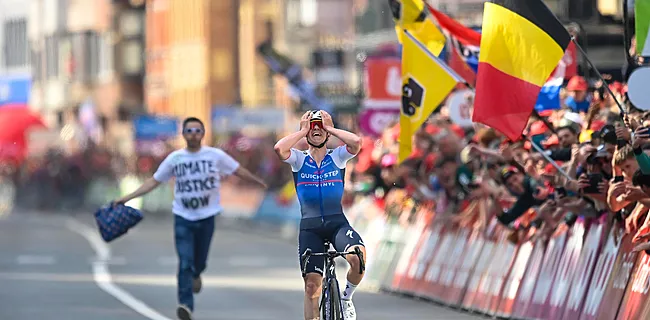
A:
{"points": [[198, 171]]}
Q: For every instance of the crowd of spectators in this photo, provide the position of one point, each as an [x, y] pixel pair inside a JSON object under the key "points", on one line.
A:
{"points": [[58, 180], [605, 170]]}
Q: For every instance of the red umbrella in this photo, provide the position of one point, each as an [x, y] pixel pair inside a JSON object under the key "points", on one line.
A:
{"points": [[15, 121]]}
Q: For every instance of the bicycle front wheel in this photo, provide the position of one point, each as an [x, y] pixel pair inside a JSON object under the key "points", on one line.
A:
{"points": [[334, 301]]}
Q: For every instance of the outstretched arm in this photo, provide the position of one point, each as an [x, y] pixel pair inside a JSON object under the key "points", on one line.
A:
{"points": [[243, 173], [145, 188]]}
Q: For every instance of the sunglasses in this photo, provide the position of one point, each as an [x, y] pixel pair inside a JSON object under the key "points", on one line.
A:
{"points": [[193, 130], [312, 124]]}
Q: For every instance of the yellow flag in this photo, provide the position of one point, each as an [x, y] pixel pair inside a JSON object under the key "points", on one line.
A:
{"points": [[287, 192], [413, 17], [426, 82]]}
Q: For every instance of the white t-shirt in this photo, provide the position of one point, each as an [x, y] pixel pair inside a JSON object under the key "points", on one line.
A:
{"points": [[198, 176]]}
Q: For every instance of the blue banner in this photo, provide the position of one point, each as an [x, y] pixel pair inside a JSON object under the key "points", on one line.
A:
{"points": [[150, 127], [15, 89]]}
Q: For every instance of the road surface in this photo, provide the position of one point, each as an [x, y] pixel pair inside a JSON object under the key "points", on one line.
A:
{"points": [[56, 267]]}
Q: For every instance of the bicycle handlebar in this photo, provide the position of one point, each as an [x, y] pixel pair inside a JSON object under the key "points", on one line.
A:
{"points": [[331, 255]]}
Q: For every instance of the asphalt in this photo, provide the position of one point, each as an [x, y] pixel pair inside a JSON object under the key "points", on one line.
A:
{"points": [[52, 267]]}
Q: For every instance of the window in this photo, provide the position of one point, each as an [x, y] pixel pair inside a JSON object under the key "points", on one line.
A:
{"points": [[77, 62], [16, 46], [131, 57], [93, 46], [51, 56], [105, 55], [37, 65]]}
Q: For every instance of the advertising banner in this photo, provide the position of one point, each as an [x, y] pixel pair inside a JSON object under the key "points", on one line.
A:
{"points": [[583, 272], [635, 302], [15, 90], [383, 83], [514, 281], [549, 268], [470, 257], [565, 273], [527, 286], [604, 293]]}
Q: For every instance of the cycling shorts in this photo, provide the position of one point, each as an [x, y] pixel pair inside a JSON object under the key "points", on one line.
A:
{"points": [[336, 230]]}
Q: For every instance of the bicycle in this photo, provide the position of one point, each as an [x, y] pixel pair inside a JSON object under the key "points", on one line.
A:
{"points": [[330, 304]]}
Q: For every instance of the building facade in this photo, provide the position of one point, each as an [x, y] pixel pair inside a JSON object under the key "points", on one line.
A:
{"points": [[196, 62], [87, 55]]}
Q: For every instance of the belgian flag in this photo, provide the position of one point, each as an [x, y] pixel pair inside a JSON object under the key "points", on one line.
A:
{"points": [[521, 44]]}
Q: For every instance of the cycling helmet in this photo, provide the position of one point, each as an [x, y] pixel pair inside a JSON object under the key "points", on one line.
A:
{"points": [[315, 115]]}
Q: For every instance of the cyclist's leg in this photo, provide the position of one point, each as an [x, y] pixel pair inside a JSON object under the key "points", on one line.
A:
{"points": [[347, 239], [314, 271], [202, 238], [184, 239]]}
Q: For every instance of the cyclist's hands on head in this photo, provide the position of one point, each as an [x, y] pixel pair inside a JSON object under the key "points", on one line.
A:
{"points": [[327, 120], [304, 121]]}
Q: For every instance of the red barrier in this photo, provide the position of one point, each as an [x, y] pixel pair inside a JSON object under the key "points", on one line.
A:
{"points": [[587, 272], [452, 265], [494, 280], [472, 253], [609, 279], [582, 275], [506, 305], [430, 287], [550, 265], [565, 273], [526, 290], [422, 256], [410, 251], [635, 303]]}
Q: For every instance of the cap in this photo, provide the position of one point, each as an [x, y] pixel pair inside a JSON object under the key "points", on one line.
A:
{"points": [[507, 172], [577, 83], [608, 134], [537, 127]]}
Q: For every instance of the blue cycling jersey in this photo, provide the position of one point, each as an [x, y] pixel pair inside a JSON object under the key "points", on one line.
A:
{"points": [[319, 188]]}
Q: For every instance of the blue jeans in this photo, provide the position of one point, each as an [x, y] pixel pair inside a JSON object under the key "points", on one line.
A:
{"points": [[192, 246]]}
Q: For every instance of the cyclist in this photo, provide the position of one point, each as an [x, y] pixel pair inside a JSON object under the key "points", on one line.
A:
{"points": [[198, 171], [318, 175]]}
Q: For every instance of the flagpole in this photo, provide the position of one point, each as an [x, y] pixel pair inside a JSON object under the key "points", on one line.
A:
{"points": [[553, 163], [545, 121], [593, 67]]}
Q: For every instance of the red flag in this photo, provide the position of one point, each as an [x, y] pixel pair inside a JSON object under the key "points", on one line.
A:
{"points": [[465, 35], [458, 64]]}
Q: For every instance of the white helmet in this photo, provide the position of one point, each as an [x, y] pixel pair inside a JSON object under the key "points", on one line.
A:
{"points": [[315, 116]]}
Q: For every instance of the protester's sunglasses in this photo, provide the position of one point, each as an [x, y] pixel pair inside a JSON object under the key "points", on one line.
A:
{"points": [[193, 130]]}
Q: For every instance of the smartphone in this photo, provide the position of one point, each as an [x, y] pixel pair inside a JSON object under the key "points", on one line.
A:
{"points": [[618, 179], [561, 192], [594, 180]]}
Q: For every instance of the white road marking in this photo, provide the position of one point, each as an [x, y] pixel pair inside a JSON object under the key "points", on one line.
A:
{"points": [[114, 261], [248, 262], [168, 261], [35, 260], [103, 277]]}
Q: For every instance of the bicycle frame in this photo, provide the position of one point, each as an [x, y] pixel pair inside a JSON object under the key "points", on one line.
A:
{"points": [[329, 277]]}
